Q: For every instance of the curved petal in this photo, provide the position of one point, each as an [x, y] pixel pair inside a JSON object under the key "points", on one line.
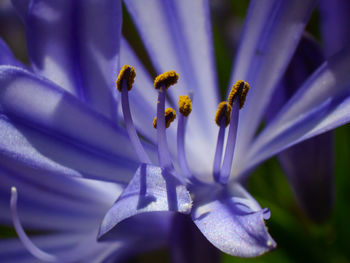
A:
{"points": [[335, 25], [6, 56], [152, 189], [320, 105], [177, 35], [76, 44], [233, 224], [52, 124], [271, 33]]}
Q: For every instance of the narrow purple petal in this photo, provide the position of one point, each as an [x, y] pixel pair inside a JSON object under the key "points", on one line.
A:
{"points": [[233, 223], [321, 104], [151, 191], [335, 22], [271, 33], [61, 128], [76, 45]]}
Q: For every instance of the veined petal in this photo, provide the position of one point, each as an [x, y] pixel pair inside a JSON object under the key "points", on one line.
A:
{"points": [[177, 35], [335, 25], [53, 125], [152, 191], [76, 45], [271, 33], [320, 105], [6, 56], [233, 223]]}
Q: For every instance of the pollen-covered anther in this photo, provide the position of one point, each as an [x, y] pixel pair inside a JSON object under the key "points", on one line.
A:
{"points": [[240, 87], [170, 116], [127, 73], [224, 109], [166, 79], [185, 105]]}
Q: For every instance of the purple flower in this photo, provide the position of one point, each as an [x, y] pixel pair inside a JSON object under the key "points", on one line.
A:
{"points": [[60, 124]]}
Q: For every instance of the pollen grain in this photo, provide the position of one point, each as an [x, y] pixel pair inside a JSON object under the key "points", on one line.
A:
{"points": [[224, 110], [185, 105], [166, 79], [170, 116], [240, 87], [127, 73]]}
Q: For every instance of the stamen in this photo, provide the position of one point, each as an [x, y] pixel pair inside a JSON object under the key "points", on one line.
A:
{"points": [[237, 104], [185, 108], [166, 79], [240, 85], [28, 244], [124, 84], [170, 116], [222, 118], [224, 110], [162, 82]]}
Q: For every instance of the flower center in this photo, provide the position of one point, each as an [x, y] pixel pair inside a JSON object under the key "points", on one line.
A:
{"points": [[227, 114]]}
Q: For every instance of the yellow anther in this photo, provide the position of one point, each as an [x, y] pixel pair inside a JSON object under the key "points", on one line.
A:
{"points": [[240, 84], [127, 73], [166, 79], [170, 116], [224, 109], [185, 105]]}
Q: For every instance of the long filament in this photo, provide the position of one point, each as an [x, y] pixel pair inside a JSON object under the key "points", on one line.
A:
{"points": [[218, 150], [135, 141], [230, 143]]}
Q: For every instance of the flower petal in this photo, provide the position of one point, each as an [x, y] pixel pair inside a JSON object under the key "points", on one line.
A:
{"points": [[76, 45], [320, 105], [233, 223], [6, 56], [152, 189], [54, 127], [177, 35], [335, 25], [270, 36]]}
